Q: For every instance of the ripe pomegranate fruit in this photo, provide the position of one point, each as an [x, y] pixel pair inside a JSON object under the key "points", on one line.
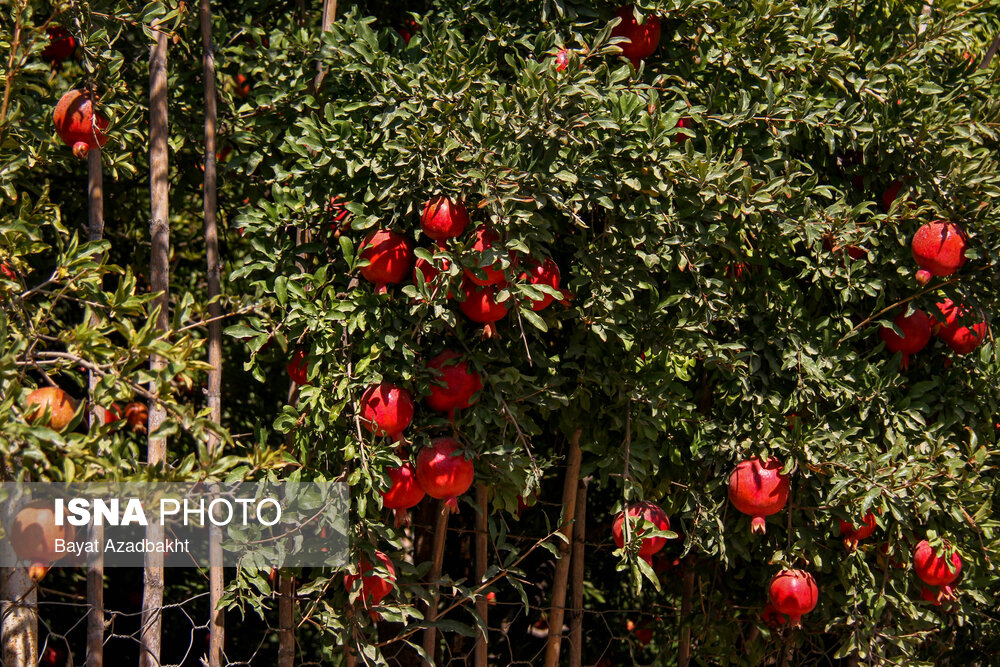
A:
{"points": [[442, 474], [110, 415], [645, 511], [386, 410], [935, 570], [298, 368], [891, 194], [480, 306], [793, 592], [939, 250], [444, 219], [852, 535], [642, 632], [37, 571], [562, 60], [486, 238], [53, 656], [61, 45], [60, 405], [758, 488], [7, 271], [431, 272], [409, 28], [74, 120], [642, 39], [390, 258], [455, 386], [491, 598], [960, 338], [374, 587], [404, 493], [34, 533], [241, 86], [542, 273], [772, 617], [137, 416], [916, 328], [681, 137]]}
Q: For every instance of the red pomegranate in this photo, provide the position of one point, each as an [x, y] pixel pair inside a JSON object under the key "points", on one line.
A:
{"points": [[935, 570], [891, 194], [390, 258], [34, 533], [60, 405], [542, 273], [53, 656], [480, 306], [61, 45], [772, 617], [110, 415], [409, 28], [642, 39], [430, 271], [442, 474], [916, 328], [137, 416], [643, 633], [793, 592], [298, 368], [374, 587], [241, 86], [455, 385], [37, 571], [646, 511], [386, 410], [960, 338], [486, 238], [939, 250], [444, 219], [852, 535], [74, 120], [404, 493], [7, 271], [680, 137], [562, 60], [339, 216], [758, 489]]}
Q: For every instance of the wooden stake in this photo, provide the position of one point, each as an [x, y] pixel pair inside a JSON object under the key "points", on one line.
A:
{"points": [[216, 580], [152, 599], [558, 609], [286, 622], [440, 535], [18, 608], [576, 572], [687, 599], [482, 556], [95, 566]]}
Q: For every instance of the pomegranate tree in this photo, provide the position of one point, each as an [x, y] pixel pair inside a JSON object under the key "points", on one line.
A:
{"points": [[642, 38], [298, 368], [74, 120], [955, 331], [852, 536], [758, 489], [916, 333], [60, 406], [936, 569], [455, 386], [794, 593], [442, 473], [485, 239], [480, 305], [374, 587], [643, 512], [444, 219], [939, 249], [386, 410], [390, 258], [404, 493]]}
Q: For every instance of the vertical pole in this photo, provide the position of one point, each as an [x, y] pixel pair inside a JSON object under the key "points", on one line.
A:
{"points": [[558, 609], [687, 600], [286, 621], [576, 576], [152, 599], [482, 555], [216, 580], [18, 608], [440, 536], [95, 566]]}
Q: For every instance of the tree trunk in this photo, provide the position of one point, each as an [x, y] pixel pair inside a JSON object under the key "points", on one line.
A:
{"points": [[286, 621], [152, 599], [440, 536], [95, 565], [558, 609], [216, 584], [482, 556], [576, 571]]}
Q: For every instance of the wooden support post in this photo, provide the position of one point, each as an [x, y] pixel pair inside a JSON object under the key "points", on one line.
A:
{"points": [[482, 556], [286, 621], [576, 572], [440, 535]]}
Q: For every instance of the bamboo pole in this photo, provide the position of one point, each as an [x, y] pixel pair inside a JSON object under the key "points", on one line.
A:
{"points": [[152, 599], [440, 536], [286, 621], [216, 576], [482, 556], [558, 609], [576, 577], [95, 566]]}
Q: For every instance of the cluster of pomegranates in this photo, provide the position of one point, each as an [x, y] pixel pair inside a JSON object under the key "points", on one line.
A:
{"points": [[391, 261], [60, 409], [939, 250]]}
